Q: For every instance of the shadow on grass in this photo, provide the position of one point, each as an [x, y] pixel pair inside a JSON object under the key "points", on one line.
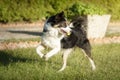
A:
{"points": [[26, 32], [6, 58]]}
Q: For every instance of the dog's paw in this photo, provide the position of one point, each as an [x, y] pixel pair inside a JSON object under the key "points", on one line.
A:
{"points": [[41, 55], [62, 69], [93, 68], [45, 58]]}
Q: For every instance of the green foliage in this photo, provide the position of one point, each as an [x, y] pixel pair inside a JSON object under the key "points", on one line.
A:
{"points": [[59, 5], [31, 10], [22, 10], [84, 9], [113, 7]]}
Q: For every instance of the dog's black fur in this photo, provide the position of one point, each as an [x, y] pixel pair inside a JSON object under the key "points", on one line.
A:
{"points": [[78, 36], [55, 20]]}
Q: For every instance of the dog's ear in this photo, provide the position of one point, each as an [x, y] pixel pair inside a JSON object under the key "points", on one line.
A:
{"points": [[60, 15]]}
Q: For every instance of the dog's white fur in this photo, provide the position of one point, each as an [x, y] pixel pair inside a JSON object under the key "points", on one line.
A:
{"points": [[50, 39], [66, 53]]}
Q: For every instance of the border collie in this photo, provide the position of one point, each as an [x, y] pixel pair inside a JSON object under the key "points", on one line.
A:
{"points": [[72, 35], [50, 37], [78, 37]]}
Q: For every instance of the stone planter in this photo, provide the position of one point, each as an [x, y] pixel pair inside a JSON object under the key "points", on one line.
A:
{"points": [[97, 25]]}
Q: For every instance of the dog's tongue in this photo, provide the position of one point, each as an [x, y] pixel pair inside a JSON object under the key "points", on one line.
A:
{"points": [[68, 33], [63, 31]]}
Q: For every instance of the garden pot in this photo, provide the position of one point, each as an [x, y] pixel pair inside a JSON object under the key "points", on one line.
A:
{"points": [[97, 25]]}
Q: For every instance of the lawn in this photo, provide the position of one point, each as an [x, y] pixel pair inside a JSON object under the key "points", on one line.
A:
{"points": [[25, 64]]}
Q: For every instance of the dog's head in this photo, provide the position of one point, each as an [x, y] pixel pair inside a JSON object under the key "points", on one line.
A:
{"points": [[57, 20]]}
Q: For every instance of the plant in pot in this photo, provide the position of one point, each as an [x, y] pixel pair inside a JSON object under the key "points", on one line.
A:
{"points": [[97, 20]]}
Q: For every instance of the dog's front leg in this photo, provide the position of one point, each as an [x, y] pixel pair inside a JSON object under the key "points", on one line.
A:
{"points": [[65, 56], [51, 53], [39, 49]]}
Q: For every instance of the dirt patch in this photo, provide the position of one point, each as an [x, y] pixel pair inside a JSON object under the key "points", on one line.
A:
{"points": [[14, 45], [28, 44]]}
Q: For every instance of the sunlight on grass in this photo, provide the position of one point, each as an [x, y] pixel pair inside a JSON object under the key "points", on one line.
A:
{"points": [[25, 64]]}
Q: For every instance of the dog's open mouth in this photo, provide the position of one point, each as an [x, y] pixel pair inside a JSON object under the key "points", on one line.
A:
{"points": [[65, 32]]}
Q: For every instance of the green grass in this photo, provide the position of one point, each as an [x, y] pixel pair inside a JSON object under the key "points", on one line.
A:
{"points": [[25, 64]]}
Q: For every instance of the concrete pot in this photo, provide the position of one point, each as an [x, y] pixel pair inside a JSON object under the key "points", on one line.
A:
{"points": [[97, 25]]}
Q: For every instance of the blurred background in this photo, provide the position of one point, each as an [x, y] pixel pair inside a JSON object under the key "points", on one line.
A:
{"points": [[33, 10], [24, 19]]}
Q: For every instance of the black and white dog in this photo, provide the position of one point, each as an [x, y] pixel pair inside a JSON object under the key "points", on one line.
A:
{"points": [[51, 37], [78, 37], [75, 35]]}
